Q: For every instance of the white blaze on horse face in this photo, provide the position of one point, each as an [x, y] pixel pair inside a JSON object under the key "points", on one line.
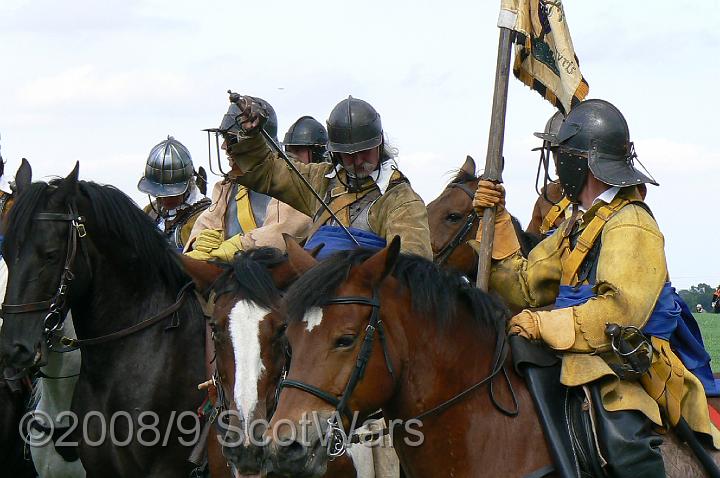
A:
{"points": [[244, 326], [312, 318]]}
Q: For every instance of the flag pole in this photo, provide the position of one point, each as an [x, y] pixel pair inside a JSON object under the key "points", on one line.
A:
{"points": [[493, 159]]}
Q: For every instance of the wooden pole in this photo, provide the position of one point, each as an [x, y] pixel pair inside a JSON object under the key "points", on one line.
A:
{"points": [[493, 160]]}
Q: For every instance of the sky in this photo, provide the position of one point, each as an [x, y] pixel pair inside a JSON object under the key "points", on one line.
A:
{"points": [[102, 82]]}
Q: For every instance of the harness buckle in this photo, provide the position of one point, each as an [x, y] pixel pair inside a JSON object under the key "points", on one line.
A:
{"points": [[79, 226], [336, 443]]}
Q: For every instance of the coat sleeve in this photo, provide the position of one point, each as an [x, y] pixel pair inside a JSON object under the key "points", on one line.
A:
{"points": [[280, 218], [403, 213], [263, 170]]}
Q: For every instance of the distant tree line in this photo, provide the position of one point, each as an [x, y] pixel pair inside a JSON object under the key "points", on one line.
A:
{"points": [[698, 294]]}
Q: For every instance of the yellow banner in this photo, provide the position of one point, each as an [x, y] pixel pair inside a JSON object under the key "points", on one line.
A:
{"points": [[545, 59]]}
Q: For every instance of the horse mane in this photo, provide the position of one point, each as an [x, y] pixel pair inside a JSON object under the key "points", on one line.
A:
{"points": [[116, 217], [462, 176], [249, 275], [434, 292]]}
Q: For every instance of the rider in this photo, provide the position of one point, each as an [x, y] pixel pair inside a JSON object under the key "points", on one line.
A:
{"points": [[240, 218], [306, 141], [606, 265], [178, 190], [362, 184]]}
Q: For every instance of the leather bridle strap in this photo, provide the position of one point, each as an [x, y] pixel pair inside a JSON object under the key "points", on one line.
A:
{"points": [[56, 304], [163, 314], [445, 252]]}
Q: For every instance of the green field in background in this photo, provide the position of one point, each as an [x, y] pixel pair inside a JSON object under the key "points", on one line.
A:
{"points": [[710, 326]]}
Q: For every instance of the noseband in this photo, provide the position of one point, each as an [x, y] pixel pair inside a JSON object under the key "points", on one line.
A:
{"points": [[56, 306], [444, 254]]}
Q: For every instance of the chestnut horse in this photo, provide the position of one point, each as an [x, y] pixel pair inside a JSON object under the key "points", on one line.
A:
{"points": [[438, 338], [453, 222], [251, 354]]}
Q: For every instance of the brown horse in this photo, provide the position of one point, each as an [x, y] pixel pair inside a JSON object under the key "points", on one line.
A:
{"points": [[453, 222], [437, 338], [251, 353]]}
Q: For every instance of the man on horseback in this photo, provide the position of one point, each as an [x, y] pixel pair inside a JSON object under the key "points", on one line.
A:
{"points": [[366, 192], [241, 218], [178, 190], [623, 333], [306, 141]]}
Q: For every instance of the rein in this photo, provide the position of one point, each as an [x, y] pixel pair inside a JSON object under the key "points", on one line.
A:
{"points": [[446, 251], [337, 446], [57, 306]]}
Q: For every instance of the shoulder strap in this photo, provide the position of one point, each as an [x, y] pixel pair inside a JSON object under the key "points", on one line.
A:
{"points": [[245, 215], [571, 262], [553, 214], [339, 206]]}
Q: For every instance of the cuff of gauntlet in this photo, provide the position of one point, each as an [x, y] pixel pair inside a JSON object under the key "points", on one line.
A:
{"points": [[505, 241]]}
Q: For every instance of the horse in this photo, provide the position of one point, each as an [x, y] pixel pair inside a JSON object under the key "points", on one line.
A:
{"points": [[373, 330], [453, 221], [251, 355], [89, 249]]}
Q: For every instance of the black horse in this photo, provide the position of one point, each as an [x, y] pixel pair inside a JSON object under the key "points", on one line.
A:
{"points": [[76, 245]]}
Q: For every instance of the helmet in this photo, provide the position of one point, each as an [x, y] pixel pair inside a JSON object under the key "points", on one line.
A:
{"points": [[230, 123], [168, 171], [353, 126], [306, 131], [595, 136]]}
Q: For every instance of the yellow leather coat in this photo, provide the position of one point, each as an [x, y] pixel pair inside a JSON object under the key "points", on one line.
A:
{"points": [[398, 211], [631, 272]]}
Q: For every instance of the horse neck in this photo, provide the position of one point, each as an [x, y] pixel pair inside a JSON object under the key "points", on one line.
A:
{"points": [[440, 360]]}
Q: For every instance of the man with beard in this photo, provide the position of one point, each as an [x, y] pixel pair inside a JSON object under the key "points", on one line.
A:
{"points": [[178, 190], [240, 218], [366, 192]]}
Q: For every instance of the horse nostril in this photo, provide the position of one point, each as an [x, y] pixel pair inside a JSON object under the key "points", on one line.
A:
{"points": [[294, 450]]}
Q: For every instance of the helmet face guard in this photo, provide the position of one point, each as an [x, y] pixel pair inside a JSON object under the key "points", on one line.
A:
{"points": [[572, 169]]}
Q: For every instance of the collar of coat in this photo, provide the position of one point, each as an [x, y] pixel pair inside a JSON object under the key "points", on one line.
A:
{"points": [[380, 176]]}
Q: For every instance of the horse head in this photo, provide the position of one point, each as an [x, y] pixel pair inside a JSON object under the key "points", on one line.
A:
{"points": [[42, 249], [334, 320], [251, 351], [452, 221]]}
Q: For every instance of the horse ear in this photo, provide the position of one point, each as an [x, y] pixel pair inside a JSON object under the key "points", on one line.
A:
{"points": [[380, 265], [68, 187], [300, 259], [204, 274], [469, 166], [23, 177]]}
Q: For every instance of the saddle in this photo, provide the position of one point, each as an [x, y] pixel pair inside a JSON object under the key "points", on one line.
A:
{"points": [[564, 413]]}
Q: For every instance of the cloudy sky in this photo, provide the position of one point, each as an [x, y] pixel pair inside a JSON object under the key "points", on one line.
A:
{"points": [[102, 82]]}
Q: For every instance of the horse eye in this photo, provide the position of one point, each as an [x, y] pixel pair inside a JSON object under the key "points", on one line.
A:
{"points": [[453, 217], [345, 341]]}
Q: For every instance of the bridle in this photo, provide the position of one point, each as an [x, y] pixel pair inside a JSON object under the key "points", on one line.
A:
{"points": [[56, 306], [446, 251], [337, 444]]}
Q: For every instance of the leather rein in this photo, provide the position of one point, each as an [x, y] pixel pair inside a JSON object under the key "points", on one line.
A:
{"points": [[57, 306], [337, 444], [444, 254]]}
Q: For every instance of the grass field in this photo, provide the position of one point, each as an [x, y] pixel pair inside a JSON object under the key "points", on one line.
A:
{"points": [[710, 326]]}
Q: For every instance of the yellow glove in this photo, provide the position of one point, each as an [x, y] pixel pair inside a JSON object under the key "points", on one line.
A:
{"points": [[208, 240], [505, 241], [199, 255], [227, 249], [554, 327]]}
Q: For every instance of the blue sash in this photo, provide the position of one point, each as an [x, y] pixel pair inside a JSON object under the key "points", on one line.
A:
{"points": [[335, 239], [671, 320]]}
